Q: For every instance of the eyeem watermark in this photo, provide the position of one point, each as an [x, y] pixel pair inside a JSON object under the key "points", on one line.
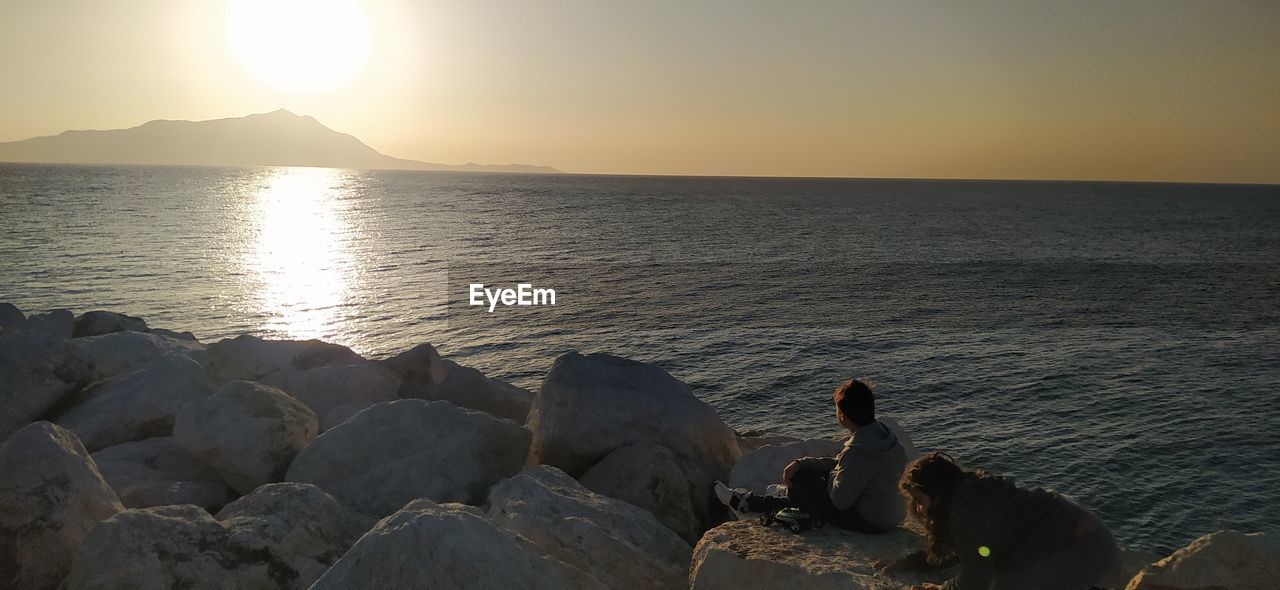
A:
{"points": [[523, 294]]}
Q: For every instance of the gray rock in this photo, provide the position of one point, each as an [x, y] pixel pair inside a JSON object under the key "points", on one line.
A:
{"points": [[157, 472], [250, 358], [470, 388], [351, 387], [247, 432], [744, 554], [51, 495], [11, 318], [173, 547], [394, 452], [1225, 559], [59, 323], [420, 370], [298, 523], [136, 405], [425, 546], [652, 477], [118, 353], [748, 443], [36, 372], [617, 543], [96, 323]]}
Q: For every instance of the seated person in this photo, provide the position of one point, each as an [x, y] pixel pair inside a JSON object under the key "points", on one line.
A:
{"points": [[1004, 537], [857, 489]]}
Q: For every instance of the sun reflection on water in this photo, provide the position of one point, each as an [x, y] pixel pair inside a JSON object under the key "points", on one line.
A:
{"points": [[302, 254]]}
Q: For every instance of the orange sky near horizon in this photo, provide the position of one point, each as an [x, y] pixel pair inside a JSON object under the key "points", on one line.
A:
{"points": [[1165, 90]]}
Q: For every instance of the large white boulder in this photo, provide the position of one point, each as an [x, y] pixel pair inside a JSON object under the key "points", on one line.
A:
{"points": [[346, 388], [425, 546], [763, 466], [298, 523], [36, 372], [745, 554], [173, 547], [97, 323], [118, 353], [394, 452], [652, 477], [137, 405], [51, 495], [247, 432], [591, 405], [619, 544], [1225, 559], [157, 472], [250, 358]]}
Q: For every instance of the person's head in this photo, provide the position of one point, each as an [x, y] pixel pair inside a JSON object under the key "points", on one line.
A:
{"points": [[928, 484], [855, 404]]}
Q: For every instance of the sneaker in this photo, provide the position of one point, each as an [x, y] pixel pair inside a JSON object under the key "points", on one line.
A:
{"points": [[777, 489], [734, 499]]}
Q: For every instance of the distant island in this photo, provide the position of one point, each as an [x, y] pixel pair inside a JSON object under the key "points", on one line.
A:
{"points": [[278, 138]]}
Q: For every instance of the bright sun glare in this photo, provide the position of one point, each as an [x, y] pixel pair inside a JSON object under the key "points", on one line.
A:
{"points": [[299, 45]]}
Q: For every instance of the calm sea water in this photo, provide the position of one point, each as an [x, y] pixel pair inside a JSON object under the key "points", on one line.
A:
{"points": [[1118, 342]]}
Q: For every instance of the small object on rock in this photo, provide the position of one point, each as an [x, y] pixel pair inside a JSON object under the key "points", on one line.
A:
{"points": [[793, 519]]}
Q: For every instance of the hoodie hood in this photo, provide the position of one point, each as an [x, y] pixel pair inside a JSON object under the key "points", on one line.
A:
{"points": [[874, 438]]}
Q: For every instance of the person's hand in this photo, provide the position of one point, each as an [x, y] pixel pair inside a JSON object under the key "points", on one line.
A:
{"points": [[789, 471], [925, 586]]}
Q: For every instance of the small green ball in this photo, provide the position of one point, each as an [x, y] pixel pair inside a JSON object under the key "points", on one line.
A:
{"points": [[984, 551]]}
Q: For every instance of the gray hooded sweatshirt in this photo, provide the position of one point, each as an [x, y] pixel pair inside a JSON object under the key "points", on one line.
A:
{"points": [[864, 476]]}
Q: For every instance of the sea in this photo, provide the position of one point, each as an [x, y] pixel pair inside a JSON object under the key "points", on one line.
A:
{"points": [[1117, 342]]}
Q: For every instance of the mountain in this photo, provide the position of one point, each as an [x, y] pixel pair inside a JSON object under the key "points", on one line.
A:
{"points": [[278, 138]]}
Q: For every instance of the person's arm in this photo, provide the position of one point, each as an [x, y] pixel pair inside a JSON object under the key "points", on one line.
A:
{"points": [[848, 482]]}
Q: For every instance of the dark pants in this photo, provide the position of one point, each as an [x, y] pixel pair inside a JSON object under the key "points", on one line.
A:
{"points": [[808, 492]]}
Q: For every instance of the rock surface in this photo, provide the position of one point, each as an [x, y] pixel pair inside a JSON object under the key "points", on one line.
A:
{"points": [[137, 405], [97, 323], [298, 523], [11, 318], [250, 358], [173, 547], [394, 452], [652, 477], [59, 323], [745, 554], [420, 370], [118, 353], [470, 388], [1223, 560], [758, 469], [248, 432], [51, 495], [157, 472], [616, 542], [426, 546], [351, 387], [36, 372]]}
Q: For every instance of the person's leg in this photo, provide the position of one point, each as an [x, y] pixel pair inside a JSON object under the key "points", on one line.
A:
{"points": [[808, 492]]}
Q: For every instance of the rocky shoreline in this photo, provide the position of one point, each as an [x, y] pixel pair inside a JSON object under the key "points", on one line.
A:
{"points": [[136, 457]]}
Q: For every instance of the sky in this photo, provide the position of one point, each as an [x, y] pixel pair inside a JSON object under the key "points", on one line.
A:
{"points": [[1165, 90]]}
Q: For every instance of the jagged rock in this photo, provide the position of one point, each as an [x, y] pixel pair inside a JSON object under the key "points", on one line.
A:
{"points": [[394, 452], [298, 523], [1132, 561], [59, 323], [118, 353], [426, 546], [157, 472], [51, 495], [11, 318], [247, 432], [745, 554], [351, 387], [590, 405], [172, 334], [97, 323], [1225, 559], [420, 370], [137, 405], [36, 372], [173, 547], [763, 466], [650, 476], [616, 542], [250, 358]]}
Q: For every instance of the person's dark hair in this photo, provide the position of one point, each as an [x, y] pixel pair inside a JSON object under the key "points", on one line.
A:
{"points": [[856, 402], [937, 476]]}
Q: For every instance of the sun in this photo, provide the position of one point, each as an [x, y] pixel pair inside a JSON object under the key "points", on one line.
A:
{"points": [[299, 45]]}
